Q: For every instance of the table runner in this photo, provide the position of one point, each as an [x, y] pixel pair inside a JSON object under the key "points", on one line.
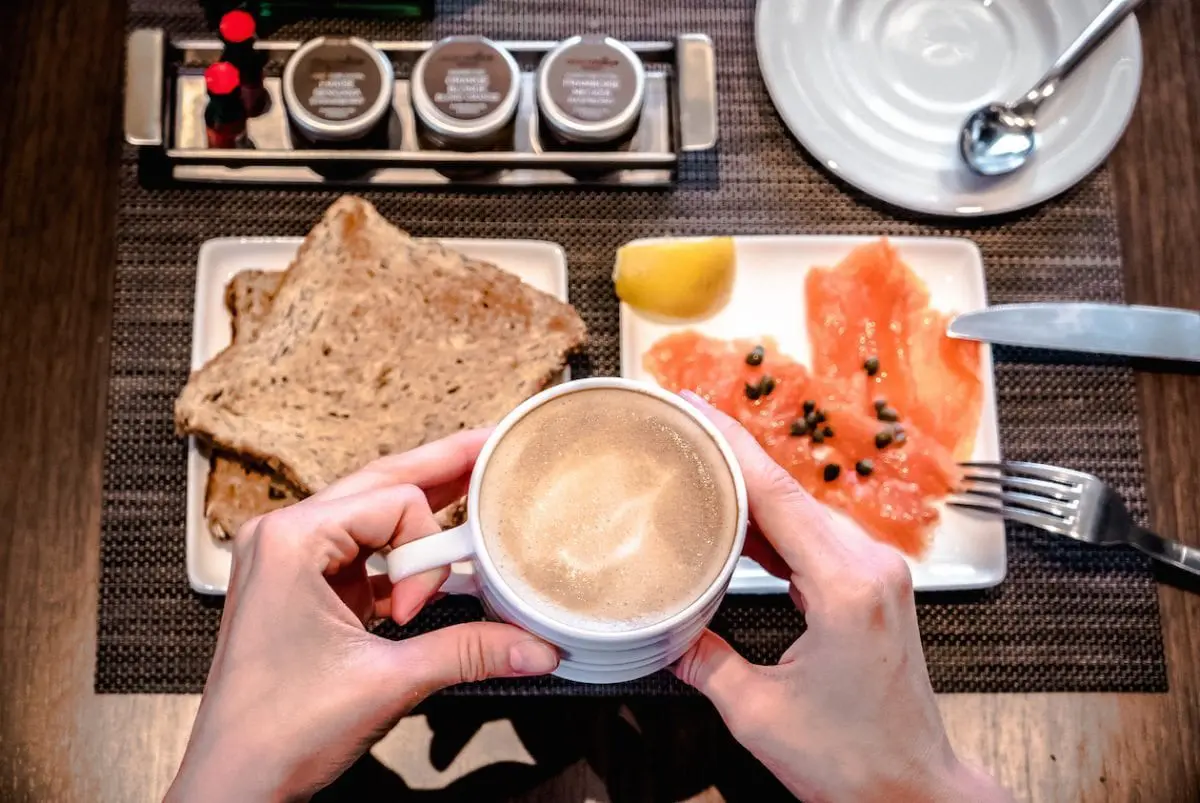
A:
{"points": [[1067, 618]]}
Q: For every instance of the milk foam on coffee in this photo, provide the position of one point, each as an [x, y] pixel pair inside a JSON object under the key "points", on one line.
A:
{"points": [[608, 509]]}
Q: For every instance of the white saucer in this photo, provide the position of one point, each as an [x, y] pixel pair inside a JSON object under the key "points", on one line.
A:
{"points": [[877, 91]]}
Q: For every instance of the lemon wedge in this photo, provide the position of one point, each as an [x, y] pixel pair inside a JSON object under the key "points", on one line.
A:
{"points": [[683, 280]]}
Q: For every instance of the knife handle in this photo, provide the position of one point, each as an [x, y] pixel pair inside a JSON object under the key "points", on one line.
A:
{"points": [[1176, 554]]}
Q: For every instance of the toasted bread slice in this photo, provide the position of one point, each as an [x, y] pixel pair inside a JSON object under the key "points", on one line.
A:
{"points": [[239, 490], [376, 343], [248, 296]]}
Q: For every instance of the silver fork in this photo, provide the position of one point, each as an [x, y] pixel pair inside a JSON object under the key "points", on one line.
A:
{"points": [[1066, 502]]}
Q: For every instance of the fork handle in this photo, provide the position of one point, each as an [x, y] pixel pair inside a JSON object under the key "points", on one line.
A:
{"points": [[1172, 552]]}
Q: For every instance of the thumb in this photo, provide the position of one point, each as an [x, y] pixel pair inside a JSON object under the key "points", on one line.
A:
{"points": [[470, 652], [716, 671]]}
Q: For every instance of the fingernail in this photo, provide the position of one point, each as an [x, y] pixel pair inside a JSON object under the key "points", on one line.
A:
{"points": [[532, 658]]}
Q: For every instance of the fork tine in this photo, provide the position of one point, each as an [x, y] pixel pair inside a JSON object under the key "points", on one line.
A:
{"points": [[1036, 503], [1051, 489], [1050, 473], [1039, 520]]}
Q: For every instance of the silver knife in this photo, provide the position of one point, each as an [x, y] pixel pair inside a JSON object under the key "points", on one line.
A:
{"points": [[1130, 331]]}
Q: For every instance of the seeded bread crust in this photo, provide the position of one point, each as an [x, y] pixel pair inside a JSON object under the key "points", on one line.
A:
{"points": [[375, 343]]}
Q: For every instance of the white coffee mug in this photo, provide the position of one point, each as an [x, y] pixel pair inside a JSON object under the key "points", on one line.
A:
{"points": [[588, 656]]}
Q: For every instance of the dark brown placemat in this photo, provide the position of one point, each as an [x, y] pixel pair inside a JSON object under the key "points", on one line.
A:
{"points": [[1068, 617]]}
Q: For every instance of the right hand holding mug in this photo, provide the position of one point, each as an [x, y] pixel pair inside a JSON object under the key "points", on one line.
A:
{"points": [[848, 713]]}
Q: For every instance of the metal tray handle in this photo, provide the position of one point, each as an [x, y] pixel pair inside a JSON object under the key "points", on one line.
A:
{"points": [[144, 64], [695, 66]]}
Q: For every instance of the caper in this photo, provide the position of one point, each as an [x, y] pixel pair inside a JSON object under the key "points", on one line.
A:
{"points": [[818, 436], [827, 432], [899, 438], [811, 420], [755, 357], [809, 406], [766, 385], [888, 414], [864, 468], [883, 438], [871, 365], [753, 391], [820, 414], [798, 428], [880, 404], [832, 471]]}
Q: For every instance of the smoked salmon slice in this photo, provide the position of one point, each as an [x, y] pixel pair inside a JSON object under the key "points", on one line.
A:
{"points": [[872, 306], [946, 382], [895, 501]]}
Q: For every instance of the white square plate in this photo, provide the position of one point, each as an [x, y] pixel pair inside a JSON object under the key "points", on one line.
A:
{"points": [[540, 264], [967, 551]]}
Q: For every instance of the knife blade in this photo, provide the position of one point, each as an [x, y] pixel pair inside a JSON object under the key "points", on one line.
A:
{"points": [[1128, 331]]}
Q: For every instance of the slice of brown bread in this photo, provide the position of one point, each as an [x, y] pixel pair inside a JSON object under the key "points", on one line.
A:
{"points": [[248, 297], [238, 490], [376, 343]]}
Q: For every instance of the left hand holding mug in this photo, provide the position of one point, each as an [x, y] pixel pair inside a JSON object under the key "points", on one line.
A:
{"points": [[298, 688]]}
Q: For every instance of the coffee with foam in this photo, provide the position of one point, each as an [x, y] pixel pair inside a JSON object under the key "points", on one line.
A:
{"points": [[608, 509]]}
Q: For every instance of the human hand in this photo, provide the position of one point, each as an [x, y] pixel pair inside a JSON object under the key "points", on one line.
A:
{"points": [[298, 687], [848, 714]]}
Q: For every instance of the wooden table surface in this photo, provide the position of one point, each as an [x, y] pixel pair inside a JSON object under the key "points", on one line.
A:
{"points": [[59, 148]]}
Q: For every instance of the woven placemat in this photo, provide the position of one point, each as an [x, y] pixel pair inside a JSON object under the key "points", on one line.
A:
{"points": [[1068, 618]]}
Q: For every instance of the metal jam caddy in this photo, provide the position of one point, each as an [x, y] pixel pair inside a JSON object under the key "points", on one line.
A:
{"points": [[586, 111]]}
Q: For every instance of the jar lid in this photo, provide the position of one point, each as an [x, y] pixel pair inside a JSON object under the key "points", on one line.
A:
{"points": [[591, 89], [338, 88], [465, 88]]}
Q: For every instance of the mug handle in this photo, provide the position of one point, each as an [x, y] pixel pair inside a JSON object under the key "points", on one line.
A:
{"points": [[431, 552]]}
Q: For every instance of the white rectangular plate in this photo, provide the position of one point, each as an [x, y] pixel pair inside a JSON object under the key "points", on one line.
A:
{"points": [[768, 300], [540, 264]]}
